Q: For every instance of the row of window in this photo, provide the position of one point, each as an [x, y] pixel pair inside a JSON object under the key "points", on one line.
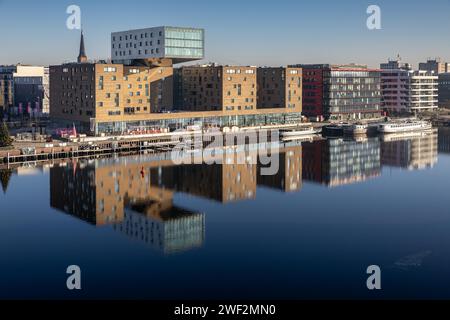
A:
{"points": [[238, 71], [231, 108], [135, 37], [146, 51], [135, 45]]}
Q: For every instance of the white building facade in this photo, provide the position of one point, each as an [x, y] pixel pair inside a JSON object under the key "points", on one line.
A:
{"points": [[423, 91]]}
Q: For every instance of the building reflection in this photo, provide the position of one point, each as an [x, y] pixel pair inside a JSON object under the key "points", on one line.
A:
{"points": [[166, 228], [336, 162], [444, 140], [135, 193], [410, 151], [289, 176]]}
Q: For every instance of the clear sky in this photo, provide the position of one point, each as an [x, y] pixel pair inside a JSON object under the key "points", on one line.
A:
{"points": [[247, 32]]}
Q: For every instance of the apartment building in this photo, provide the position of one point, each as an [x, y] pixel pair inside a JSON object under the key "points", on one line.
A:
{"points": [[423, 91], [341, 92], [217, 88], [102, 92], [435, 65], [279, 88], [395, 84], [444, 90], [406, 90]]}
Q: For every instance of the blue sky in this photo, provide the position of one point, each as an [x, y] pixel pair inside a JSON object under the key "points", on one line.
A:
{"points": [[246, 32]]}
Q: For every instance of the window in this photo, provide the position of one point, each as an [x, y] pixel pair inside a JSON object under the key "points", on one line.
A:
{"points": [[109, 69]]}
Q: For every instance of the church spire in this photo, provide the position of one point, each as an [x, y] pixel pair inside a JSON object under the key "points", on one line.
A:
{"points": [[82, 56]]}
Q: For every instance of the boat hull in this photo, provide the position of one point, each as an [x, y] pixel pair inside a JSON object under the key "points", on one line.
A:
{"points": [[299, 133], [422, 127]]}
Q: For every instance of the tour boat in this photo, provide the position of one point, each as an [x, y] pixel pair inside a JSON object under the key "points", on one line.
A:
{"points": [[406, 126], [300, 131]]}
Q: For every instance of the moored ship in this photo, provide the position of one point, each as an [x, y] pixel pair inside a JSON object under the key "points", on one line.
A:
{"points": [[406, 126]]}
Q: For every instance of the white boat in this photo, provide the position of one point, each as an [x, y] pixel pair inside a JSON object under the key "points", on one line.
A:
{"points": [[406, 126], [356, 129], [300, 131]]}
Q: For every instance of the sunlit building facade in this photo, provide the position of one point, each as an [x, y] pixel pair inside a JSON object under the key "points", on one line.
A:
{"points": [[176, 44], [341, 92]]}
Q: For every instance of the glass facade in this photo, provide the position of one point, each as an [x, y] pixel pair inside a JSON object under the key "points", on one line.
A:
{"points": [[352, 161], [352, 92], [184, 43], [181, 123]]}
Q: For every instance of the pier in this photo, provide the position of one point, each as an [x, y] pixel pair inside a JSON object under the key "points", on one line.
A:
{"points": [[98, 146]]}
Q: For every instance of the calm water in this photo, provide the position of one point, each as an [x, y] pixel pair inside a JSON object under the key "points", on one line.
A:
{"points": [[141, 227]]}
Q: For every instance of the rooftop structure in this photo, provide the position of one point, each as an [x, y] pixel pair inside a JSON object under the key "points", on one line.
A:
{"points": [[157, 45]]}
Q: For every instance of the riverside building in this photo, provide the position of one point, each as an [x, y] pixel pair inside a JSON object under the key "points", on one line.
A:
{"points": [[406, 90], [279, 88], [135, 93], [341, 92]]}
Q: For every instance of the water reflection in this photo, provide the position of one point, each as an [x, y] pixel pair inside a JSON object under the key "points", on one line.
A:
{"points": [[444, 140], [336, 162], [134, 195], [413, 152]]}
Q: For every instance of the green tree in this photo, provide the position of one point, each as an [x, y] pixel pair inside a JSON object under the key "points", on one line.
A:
{"points": [[5, 139], [5, 176]]}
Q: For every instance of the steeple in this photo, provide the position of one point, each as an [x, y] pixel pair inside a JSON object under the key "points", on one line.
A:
{"points": [[82, 58]]}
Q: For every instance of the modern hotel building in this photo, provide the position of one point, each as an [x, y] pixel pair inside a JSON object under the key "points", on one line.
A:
{"points": [[170, 44], [341, 92], [135, 92]]}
